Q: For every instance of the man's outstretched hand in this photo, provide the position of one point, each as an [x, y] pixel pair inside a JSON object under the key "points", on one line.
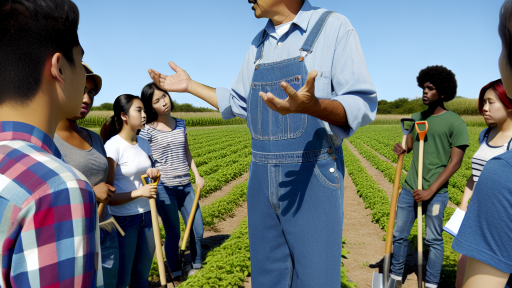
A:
{"points": [[179, 82], [302, 101]]}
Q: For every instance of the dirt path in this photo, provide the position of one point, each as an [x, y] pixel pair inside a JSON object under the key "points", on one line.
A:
{"points": [[376, 174], [223, 191], [364, 240]]}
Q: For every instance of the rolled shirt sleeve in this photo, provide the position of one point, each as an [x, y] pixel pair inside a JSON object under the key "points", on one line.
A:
{"points": [[353, 86], [233, 102], [343, 74]]}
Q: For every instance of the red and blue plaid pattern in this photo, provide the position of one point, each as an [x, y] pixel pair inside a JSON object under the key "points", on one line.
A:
{"points": [[49, 231]]}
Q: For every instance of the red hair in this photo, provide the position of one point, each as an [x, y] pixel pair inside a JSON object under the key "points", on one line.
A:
{"points": [[497, 87]]}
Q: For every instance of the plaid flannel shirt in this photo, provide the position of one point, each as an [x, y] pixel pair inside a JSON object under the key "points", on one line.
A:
{"points": [[49, 232]]}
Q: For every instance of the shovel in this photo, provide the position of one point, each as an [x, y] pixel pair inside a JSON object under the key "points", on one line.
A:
{"points": [[382, 280], [421, 134], [156, 232], [189, 226]]}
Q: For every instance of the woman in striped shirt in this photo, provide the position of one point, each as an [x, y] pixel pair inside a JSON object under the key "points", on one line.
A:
{"points": [[496, 107], [168, 139]]}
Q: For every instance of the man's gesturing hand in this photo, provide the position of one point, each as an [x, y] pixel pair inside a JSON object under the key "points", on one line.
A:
{"points": [[178, 82], [302, 101]]}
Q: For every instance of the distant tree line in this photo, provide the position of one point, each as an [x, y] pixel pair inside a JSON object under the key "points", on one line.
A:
{"points": [[185, 107], [405, 106]]}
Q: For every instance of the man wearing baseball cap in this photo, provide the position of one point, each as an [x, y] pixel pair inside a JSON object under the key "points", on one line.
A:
{"points": [[83, 150]]}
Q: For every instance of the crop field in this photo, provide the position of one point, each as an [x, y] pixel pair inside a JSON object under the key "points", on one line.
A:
{"points": [[223, 155], [193, 119], [375, 144]]}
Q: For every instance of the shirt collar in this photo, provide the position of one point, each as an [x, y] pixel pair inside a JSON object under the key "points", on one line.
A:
{"points": [[302, 18], [11, 130]]}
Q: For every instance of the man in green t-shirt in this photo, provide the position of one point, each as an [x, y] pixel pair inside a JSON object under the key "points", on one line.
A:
{"points": [[445, 143]]}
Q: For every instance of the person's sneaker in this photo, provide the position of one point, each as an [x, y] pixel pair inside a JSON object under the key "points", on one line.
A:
{"points": [[192, 272]]}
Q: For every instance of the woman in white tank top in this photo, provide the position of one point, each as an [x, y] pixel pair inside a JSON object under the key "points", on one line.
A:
{"points": [[496, 107]]}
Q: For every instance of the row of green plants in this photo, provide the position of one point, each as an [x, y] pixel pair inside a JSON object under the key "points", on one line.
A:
{"points": [[99, 120], [376, 199], [226, 266], [211, 213], [381, 140]]}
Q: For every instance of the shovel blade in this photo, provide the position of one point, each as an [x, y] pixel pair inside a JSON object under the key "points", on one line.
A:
{"points": [[377, 281], [393, 283]]}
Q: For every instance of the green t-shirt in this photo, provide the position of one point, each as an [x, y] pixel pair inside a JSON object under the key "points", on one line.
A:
{"points": [[445, 131]]}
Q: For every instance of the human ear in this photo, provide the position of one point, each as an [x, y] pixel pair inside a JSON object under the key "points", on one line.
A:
{"points": [[123, 116], [56, 69]]}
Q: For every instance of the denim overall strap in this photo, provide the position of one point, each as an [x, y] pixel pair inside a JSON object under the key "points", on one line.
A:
{"points": [[292, 138], [259, 51], [315, 32]]}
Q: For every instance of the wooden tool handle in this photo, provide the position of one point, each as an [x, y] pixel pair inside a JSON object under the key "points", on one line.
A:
{"points": [[394, 200], [100, 209], [191, 219], [420, 216], [156, 233]]}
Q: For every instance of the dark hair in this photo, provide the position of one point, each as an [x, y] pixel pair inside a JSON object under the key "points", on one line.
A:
{"points": [[114, 125], [147, 100], [497, 87], [31, 31], [442, 78], [505, 29]]}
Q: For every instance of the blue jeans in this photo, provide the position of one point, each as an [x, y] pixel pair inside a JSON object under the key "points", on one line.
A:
{"points": [[295, 223], [171, 200], [109, 257], [136, 250], [405, 216]]}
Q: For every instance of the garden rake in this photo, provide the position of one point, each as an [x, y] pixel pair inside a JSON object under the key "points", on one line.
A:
{"points": [[383, 280]]}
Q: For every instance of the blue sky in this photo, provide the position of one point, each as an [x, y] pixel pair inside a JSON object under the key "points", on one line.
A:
{"points": [[209, 39]]}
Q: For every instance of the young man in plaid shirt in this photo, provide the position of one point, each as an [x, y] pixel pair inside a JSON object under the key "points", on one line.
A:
{"points": [[48, 220]]}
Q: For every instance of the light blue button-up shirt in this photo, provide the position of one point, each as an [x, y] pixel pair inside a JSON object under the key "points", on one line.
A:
{"points": [[337, 56]]}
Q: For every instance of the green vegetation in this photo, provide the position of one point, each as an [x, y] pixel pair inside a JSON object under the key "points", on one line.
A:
{"points": [[185, 107], [381, 140], [403, 106]]}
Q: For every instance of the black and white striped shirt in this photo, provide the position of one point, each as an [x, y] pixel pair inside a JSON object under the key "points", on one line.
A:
{"points": [[485, 153], [168, 149]]}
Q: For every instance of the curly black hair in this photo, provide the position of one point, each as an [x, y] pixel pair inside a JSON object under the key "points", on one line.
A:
{"points": [[442, 78]]}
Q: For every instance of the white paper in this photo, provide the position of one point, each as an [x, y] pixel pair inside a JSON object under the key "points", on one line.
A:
{"points": [[453, 226]]}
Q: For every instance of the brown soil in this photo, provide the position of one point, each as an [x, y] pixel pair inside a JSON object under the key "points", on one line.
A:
{"points": [[223, 191], [364, 240], [376, 174]]}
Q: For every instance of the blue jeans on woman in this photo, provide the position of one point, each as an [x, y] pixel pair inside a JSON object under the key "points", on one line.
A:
{"points": [[170, 200], [136, 250], [109, 257], [406, 213]]}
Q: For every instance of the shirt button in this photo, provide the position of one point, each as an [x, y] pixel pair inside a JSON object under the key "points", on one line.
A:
{"points": [[331, 170], [279, 44]]}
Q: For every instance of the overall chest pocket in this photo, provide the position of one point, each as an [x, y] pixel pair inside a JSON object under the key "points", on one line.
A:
{"points": [[265, 123]]}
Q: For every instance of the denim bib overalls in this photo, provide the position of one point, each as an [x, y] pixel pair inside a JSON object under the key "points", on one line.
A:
{"points": [[295, 190]]}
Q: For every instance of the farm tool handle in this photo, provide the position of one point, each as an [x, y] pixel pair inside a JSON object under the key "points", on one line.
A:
{"points": [[191, 219], [156, 232], [394, 199], [421, 134]]}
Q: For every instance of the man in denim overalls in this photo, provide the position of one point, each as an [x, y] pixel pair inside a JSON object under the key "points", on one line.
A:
{"points": [[303, 87]]}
